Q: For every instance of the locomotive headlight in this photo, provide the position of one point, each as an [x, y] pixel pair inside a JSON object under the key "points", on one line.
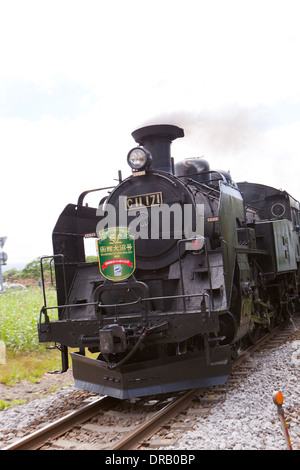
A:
{"points": [[139, 158]]}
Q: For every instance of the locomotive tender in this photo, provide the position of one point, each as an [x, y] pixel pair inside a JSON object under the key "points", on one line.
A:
{"points": [[190, 265]]}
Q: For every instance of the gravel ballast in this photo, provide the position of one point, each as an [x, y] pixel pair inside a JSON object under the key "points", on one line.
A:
{"points": [[246, 419]]}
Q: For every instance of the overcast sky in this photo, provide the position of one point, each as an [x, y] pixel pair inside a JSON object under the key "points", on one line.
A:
{"points": [[77, 77]]}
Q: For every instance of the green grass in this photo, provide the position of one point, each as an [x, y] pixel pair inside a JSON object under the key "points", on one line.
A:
{"points": [[6, 404], [19, 316], [28, 366], [26, 358]]}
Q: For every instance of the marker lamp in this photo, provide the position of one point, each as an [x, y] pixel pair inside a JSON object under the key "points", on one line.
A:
{"points": [[138, 158]]}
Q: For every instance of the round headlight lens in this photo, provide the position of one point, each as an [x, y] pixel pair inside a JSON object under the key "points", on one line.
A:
{"points": [[138, 158]]}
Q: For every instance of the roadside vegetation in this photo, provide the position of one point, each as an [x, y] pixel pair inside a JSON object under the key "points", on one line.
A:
{"points": [[25, 357]]}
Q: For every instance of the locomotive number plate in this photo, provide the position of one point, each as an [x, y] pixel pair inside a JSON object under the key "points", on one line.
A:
{"points": [[146, 200]]}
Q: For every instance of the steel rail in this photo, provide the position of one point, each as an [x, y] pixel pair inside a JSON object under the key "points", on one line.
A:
{"points": [[147, 429], [153, 424], [38, 438]]}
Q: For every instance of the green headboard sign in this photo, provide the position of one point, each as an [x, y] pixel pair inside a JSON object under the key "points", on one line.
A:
{"points": [[116, 253]]}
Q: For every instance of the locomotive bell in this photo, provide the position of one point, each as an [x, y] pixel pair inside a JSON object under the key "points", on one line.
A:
{"points": [[157, 140]]}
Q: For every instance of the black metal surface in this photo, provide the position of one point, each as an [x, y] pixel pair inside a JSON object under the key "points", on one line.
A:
{"points": [[159, 252], [152, 377], [161, 329], [181, 325], [157, 140]]}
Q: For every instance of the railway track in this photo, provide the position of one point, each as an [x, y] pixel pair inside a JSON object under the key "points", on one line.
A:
{"points": [[81, 419], [111, 424], [51, 431]]}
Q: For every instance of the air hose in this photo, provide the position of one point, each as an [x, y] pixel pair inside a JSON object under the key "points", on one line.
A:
{"points": [[131, 353]]}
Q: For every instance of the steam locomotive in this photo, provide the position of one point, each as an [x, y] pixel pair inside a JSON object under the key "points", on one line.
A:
{"points": [[190, 266]]}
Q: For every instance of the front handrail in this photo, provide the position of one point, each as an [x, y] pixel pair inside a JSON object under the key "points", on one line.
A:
{"points": [[126, 304], [82, 195], [42, 273]]}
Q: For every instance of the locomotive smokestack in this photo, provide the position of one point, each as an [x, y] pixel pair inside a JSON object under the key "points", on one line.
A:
{"points": [[157, 140]]}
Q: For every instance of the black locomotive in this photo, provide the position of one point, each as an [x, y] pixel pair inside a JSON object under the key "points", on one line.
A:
{"points": [[190, 265]]}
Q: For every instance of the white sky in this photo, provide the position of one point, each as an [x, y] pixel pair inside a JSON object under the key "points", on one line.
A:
{"points": [[77, 77]]}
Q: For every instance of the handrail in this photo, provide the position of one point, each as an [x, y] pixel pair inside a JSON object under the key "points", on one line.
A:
{"points": [[42, 273], [126, 304], [82, 195]]}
